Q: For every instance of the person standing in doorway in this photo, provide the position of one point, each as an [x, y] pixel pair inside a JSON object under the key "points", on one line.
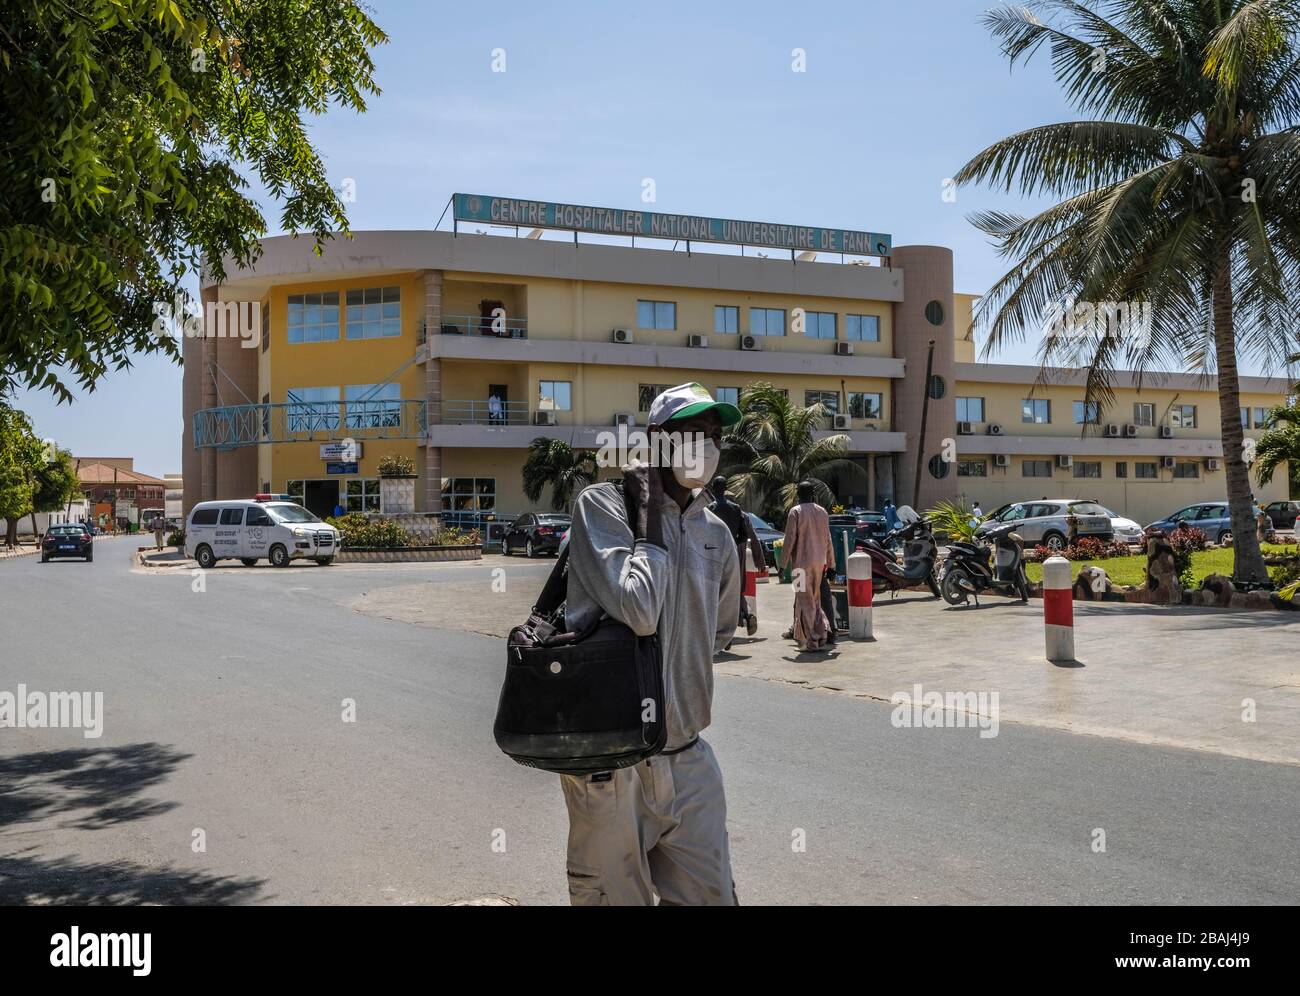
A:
{"points": [[494, 409], [658, 828]]}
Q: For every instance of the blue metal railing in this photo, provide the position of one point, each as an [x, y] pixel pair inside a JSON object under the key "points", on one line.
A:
{"points": [[231, 426], [474, 412]]}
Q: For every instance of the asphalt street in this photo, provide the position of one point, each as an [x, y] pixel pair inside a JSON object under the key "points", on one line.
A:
{"points": [[223, 726]]}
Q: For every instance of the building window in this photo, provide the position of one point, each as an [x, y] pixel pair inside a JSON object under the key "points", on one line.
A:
{"points": [[972, 468], [828, 399], [1144, 471], [1245, 417], [1144, 413], [970, 409], [646, 394], [1087, 468], [726, 318], [1183, 416], [656, 314], [862, 328], [819, 324], [374, 313], [1087, 413], [312, 409], [555, 395], [313, 317], [1261, 417], [297, 490], [934, 313], [1035, 468], [266, 416], [766, 321], [373, 406], [469, 494], [938, 387], [1187, 471], [938, 467], [731, 395], [362, 494], [266, 326], [865, 404], [1036, 410], [1121, 468]]}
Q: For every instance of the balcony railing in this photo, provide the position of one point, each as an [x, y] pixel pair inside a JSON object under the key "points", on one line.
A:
{"points": [[307, 421], [503, 328], [472, 412]]}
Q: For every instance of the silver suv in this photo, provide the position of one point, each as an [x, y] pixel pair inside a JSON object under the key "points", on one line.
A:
{"points": [[1046, 521]]}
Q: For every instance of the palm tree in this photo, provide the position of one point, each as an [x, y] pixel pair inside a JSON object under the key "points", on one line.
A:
{"points": [[772, 448], [1280, 443], [554, 463], [1180, 190]]}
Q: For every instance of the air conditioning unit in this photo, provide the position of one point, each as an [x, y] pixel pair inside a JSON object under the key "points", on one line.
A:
{"points": [[844, 349], [995, 429], [751, 342], [1001, 460], [1130, 431], [1212, 463], [623, 335], [965, 429], [1112, 431], [1166, 432], [842, 421], [1167, 463], [1064, 462], [697, 341], [623, 418], [544, 418]]}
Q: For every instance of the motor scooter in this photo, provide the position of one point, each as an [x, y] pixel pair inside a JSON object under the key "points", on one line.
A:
{"points": [[970, 570], [919, 555]]}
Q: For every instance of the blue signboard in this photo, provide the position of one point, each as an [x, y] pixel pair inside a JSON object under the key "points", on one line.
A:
{"points": [[337, 467], [694, 228]]}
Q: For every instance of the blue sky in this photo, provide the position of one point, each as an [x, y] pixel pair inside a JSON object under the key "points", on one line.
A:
{"points": [[700, 97]]}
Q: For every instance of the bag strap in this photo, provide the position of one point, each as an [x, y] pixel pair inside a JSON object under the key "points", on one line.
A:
{"points": [[555, 590]]}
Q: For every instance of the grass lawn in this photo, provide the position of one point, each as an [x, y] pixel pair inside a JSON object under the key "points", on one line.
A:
{"points": [[1133, 570]]}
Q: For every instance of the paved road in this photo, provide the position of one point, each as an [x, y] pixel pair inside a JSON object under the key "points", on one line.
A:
{"points": [[222, 715]]}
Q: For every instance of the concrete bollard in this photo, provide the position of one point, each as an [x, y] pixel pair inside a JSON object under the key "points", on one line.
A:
{"points": [[751, 583], [1058, 609], [860, 595]]}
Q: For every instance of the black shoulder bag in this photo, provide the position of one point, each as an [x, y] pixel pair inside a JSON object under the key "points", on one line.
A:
{"points": [[575, 703]]}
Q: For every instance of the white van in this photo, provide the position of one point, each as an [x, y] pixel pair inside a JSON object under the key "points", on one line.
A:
{"points": [[249, 531]]}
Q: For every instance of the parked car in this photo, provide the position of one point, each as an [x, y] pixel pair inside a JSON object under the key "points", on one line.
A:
{"points": [[68, 540], [1046, 521], [867, 524], [1210, 517], [250, 530], [767, 535], [536, 533], [1126, 530], [1283, 513]]}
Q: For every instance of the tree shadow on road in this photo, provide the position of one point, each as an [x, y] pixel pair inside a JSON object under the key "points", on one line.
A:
{"points": [[92, 789]]}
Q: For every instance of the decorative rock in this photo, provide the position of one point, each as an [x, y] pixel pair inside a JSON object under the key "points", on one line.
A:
{"points": [[1216, 590], [1092, 584], [1163, 587]]}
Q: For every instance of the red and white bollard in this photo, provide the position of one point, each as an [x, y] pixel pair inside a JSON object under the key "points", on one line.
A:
{"points": [[751, 583], [860, 595], [1058, 609]]}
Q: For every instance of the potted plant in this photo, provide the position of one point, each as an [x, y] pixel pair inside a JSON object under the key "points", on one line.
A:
{"points": [[397, 485]]}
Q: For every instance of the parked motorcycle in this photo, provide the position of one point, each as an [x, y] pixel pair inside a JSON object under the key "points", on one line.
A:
{"points": [[971, 571], [919, 555]]}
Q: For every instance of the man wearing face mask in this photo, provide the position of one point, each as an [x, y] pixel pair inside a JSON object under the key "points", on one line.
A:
{"points": [[659, 827]]}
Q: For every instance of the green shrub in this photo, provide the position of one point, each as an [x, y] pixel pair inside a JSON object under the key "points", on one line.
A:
{"points": [[374, 533], [177, 539], [450, 536], [396, 466]]}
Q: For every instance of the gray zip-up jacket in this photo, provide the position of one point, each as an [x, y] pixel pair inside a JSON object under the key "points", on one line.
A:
{"points": [[689, 590]]}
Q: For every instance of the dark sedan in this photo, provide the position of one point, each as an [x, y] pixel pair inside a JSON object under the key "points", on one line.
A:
{"points": [[68, 541], [866, 523], [767, 535], [535, 534], [1283, 513]]}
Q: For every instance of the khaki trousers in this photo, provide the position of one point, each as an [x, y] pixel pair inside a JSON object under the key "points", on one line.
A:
{"points": [[657, 828]]}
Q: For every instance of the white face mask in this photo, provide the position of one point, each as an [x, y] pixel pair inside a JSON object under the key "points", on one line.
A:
{"points": [[695, 463]]}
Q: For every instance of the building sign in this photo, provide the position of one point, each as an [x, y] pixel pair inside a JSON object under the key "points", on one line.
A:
{"points": [[694, 228], [339, 467], [349, 449]]}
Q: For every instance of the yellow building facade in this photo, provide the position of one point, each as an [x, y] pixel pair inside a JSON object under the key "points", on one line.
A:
{"points": [[456, 351]]}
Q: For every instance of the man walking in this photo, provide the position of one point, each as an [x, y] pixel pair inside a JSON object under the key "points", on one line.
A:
{"points": [[808, 549], [659, 827], [742, 531]]}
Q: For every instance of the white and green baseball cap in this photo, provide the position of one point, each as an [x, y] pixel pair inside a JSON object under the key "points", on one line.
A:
{"points": [[686, 400]]}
